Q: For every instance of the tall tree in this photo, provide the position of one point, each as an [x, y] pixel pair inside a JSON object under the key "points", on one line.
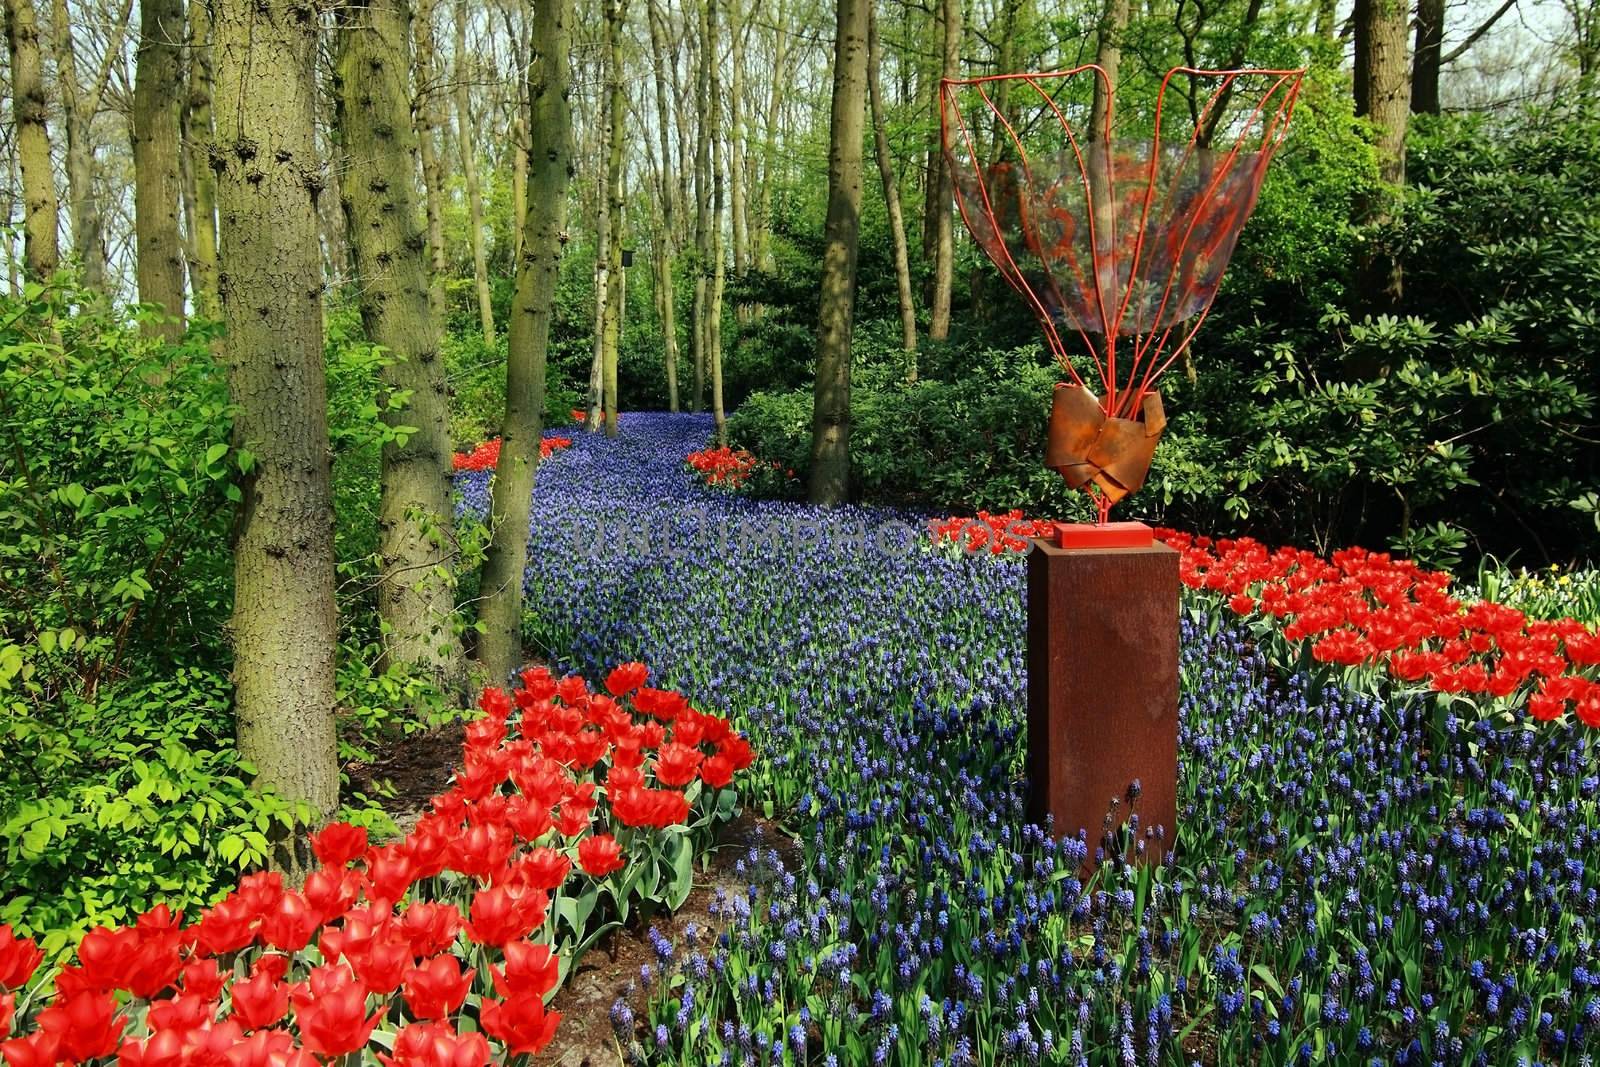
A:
{"points": [[467, 143], [702, 210], [891, 199], [284, 625], [79, 105], [664, 247], [719, 268], [616, 111], [415, 536], [198, 130], [736, 138], [830, 419], [944, 243], [549, 172], [29, 107], [1426, 57], [425, 110], [1383, 96], [1108, 57], [158, 94]]}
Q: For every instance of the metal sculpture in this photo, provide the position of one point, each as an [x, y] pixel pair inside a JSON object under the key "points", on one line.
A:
{"points": [[1122, 239]]}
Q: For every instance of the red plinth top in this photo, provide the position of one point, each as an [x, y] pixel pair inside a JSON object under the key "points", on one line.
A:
{"points": [[1107, 535]]}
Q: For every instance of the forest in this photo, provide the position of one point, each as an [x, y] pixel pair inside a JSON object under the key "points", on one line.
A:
{"points": [[356, 357]]}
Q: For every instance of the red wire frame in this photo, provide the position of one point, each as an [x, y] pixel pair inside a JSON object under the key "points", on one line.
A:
{"points": [[1117, 401]]}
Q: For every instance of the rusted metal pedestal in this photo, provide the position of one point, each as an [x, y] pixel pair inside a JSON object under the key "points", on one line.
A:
{"points": [[1103, 684]]}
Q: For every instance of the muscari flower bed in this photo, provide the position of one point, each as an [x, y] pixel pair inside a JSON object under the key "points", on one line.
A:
{"points": [[1358, 879]]}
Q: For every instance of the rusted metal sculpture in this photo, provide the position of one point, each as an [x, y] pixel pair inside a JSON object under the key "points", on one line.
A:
{"points": [[1123, 239]]}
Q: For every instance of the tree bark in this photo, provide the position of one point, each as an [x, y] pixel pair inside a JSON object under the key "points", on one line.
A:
{"points": [[702, 210], [78, 106], [719, 269], [466, 143], [29, 107], [427, 123], [519, 186], [1383, 96], [284, 627], [550, 170], [891, 199], [1108, 57], [616, 112], [761, 241], [944, 248], [666, 242], [158, 93], [736, 140], [1425, 60], [830, 420], [199, 132], [416, 534]]}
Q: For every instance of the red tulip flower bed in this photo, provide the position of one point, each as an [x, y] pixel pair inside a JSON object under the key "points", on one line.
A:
{"points": [[731, 468], [487, 455], [1379, 619], [986, 532], [437, 950], [1368, 612]]}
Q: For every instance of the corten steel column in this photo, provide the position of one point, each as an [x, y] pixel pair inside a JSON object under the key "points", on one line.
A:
{"points": [[1103, 682]]}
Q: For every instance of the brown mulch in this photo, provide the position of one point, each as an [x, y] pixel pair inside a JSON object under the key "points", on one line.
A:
{"points": [[603, 975], [416, 767]]}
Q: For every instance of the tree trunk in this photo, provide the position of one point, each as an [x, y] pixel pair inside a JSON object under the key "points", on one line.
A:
{"points": [[891, 198], [550, 169], [944, 249], [77, 113], [467, 144], [427, 123], [1383, 91], [1425, 62], [736, 139], [830, 420], [519, 186], [616, 111], [762, 240], [199, 129], [602, 287], [665, 244], [1108, 57], [29, 106], [284, 627], [415, 527], [702, 209], [719, 269], [157, 191]]}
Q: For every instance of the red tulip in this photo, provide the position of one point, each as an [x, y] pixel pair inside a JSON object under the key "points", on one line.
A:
{"points": [[599, 855], [717, 771], [436, 1045], [499, 915], [165, 1048], [182, 1013], [8, 1010], [86, 1025], [544, 869], [338, 843], [290, 924], [19, 958], [677, 764], [626, 678], [335, 1022], [260, 1002], [430, 928], [522, 1024], [437, 988], [226, 927], [269, 1048], [203, 978], [382, 965], [531, 970], [42, 1049]]}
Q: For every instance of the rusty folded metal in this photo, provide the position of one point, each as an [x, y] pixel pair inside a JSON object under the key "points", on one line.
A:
{"points": [[1084, 445]]}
